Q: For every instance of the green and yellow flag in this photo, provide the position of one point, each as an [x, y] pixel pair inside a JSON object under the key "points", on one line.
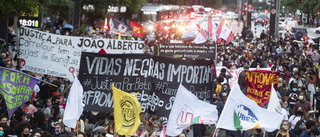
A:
{"points": [[126, 112]]}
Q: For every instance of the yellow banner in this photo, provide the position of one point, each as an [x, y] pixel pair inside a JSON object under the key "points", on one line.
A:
{"points": [[126, 112]]}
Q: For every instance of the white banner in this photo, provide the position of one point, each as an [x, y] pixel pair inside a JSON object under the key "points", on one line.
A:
{"points": [[58, 55], [111, 46]]}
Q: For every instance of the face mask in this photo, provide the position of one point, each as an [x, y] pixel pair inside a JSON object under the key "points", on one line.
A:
{"points": [[294, 89], [299, 112], [222, 59], [61, 90], [25, 135], [58, 131], [285, 106], [258, 130], [1, 133], [155, 129], [280, 79], [285, 127], [214, 99], [25, 121], [95, 136], [284, 85], [141, 127], [49, 104], [224, 94]]}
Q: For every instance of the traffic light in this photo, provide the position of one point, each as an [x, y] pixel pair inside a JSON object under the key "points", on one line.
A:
{"points": [[237, 5], [280, 14], [283, 7], [300, 13]]}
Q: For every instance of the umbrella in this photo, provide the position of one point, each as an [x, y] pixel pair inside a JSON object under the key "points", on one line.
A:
{"points": [[67, 26]]}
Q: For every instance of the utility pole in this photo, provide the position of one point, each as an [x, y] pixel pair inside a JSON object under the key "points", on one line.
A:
{"points": [[249, 11], [239, 12], [273, 13], [77, 13]]}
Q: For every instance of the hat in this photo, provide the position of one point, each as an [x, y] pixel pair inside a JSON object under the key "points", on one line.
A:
{"points": [[99, 129]]}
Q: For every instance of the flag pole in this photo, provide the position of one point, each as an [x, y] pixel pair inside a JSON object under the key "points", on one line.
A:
{"points": [[214, 133]]}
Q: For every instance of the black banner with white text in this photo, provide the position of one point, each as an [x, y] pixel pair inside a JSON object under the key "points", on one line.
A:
{"points": [[155, 78], [186, 50]]}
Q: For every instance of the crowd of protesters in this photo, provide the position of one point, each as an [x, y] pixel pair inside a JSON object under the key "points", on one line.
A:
{"points": [[298, 63]]}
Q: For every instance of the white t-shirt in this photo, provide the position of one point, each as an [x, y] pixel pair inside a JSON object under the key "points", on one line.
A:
{"points": [[293, 120]]}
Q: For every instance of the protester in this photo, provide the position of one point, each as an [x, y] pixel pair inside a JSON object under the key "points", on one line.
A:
{"points": [[59, 130], [284, 130]]}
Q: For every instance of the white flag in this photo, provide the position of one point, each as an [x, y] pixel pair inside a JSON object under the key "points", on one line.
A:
{"points": [[74, 107], [187, 110], [274, 104], [201, 37], [110, 26], [225, 32], [242, 113], [212, 29]]}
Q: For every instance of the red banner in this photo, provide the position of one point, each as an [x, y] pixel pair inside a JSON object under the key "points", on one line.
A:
{"points": [[259, 84], [138, 29]]}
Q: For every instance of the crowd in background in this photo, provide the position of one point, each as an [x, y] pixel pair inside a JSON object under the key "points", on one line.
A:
{"points": [[298, 63]]}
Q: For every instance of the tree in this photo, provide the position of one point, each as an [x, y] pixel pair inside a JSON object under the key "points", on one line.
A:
{"points": [[133, 6], [180, 2], [57, 8], [11, 8], [216, 4], [99, 11]]}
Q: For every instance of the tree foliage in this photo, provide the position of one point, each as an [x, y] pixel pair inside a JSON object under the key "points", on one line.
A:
{"points": [[11, 8], [57, 8]]}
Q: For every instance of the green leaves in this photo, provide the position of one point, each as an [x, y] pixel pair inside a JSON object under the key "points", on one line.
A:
{"points": [[11, 8]]}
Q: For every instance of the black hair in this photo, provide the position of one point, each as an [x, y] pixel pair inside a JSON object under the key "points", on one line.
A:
{"points": [[310, 123], [54, 98], [39, 118], [101, 115]]}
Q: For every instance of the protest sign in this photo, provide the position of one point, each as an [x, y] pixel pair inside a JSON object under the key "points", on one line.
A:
{"points": [[259, 84], [155, 78], [186, 50], [50, 54], [111, 46], [58, 55], [16, 88], [235, 75]]}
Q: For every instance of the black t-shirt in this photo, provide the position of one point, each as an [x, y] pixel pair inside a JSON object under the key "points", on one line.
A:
{"points": [[92, 118], [291, 100]]}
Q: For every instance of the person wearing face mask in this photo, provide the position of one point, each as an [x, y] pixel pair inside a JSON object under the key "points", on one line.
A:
{"points": [[28, 108], [3, 132], [22, 129], [296, 117], [302, 102], [224, 93], [292, 95], [284, 130], [302, 126], [258, 132], [99, 132], [156, 130], [59, 91], [141, 132], [59, 130], [49, 103]]}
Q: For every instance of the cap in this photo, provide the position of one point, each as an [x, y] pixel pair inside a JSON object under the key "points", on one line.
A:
{"points": [[99, 129]]}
